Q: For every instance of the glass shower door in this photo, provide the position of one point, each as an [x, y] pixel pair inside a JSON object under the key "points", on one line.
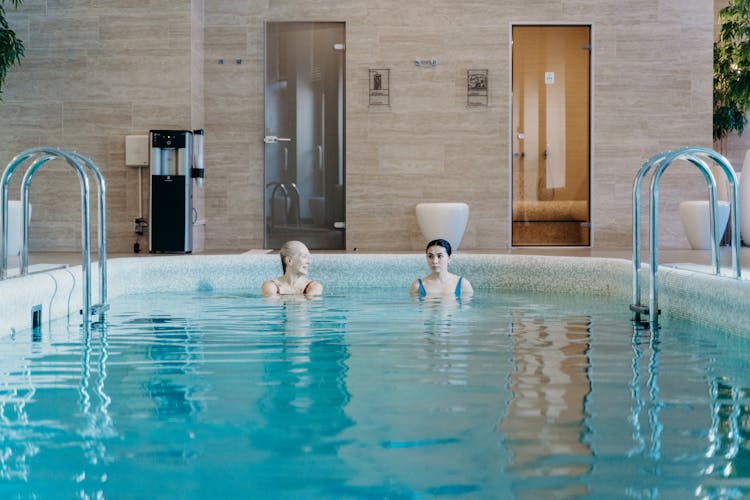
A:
{"points": [[304, 134], [551, 135]]}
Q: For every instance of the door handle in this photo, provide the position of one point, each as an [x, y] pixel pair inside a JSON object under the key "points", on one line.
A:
{"points": [[272, 139]]}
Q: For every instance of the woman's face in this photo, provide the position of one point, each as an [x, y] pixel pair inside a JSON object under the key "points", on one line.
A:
{"points": [[437, 258], [300, 259]]}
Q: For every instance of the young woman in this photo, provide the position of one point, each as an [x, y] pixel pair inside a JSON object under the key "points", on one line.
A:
{"points": [[440, 281], [295, 261]]}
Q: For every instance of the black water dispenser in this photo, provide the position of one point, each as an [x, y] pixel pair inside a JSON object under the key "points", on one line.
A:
{"points": [[171, 226]]}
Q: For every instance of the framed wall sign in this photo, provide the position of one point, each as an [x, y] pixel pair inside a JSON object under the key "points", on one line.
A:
{"points": [[476, 87], [380, 86]]}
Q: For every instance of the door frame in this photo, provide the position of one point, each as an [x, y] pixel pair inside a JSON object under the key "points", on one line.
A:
{"points": [[592, 65], [342, 133]]}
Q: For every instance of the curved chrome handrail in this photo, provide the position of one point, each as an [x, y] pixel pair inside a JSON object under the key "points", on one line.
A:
{"points": [[41, 156], [647, 166], [102, 223], [4, 183], [661, 162], [734, 204]]}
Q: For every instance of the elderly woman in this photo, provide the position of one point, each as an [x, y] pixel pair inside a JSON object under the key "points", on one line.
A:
{"points": [[295, 261], [440, 281]]}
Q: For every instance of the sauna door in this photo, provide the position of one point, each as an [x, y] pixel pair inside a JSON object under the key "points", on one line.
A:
{"points": [[304, 134], [550, 136]]}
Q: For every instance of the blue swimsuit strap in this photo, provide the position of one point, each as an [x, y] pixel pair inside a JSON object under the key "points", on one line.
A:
{"points": [[423, 292]]}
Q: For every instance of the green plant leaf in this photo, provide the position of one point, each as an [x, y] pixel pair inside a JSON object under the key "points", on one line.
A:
{"points": [[732, 70], [11, 47]]}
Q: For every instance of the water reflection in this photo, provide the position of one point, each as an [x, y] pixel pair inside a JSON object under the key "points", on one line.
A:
{"points": [[17, 393], [440, 313], [447, 336], [546, 420], [729, 437], [35, 408], [644, 388], [176, 355], [305, 397], [98, 424]]}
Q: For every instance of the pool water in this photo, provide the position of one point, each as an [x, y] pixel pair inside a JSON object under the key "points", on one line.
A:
{"points": [[373, 394]]}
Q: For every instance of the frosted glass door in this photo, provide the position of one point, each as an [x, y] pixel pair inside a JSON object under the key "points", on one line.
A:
{"points": [[304, 134], [550, 135]]}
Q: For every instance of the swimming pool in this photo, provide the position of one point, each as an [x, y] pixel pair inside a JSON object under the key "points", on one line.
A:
{"points": [[714, 301], [369, 393]]}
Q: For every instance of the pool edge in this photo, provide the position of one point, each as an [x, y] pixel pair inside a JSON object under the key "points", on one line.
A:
{"points": [[715, 301]]}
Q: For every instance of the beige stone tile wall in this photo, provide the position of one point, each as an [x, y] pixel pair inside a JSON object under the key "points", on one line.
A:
{"points": [[97, 71], [652, 92], [93, 73]]}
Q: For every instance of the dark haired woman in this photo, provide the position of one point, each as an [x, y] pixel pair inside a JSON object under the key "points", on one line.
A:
{"points": [[440, 281]]}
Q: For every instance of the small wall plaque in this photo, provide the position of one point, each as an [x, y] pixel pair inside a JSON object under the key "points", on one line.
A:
{"points": [[476, 87], [380, 87]]}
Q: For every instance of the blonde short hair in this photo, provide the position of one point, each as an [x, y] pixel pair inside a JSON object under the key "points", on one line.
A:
{"points": [[289, 249]]}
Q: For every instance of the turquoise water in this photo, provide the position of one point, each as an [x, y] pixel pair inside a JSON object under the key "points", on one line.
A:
{"points": [[373, 395]]}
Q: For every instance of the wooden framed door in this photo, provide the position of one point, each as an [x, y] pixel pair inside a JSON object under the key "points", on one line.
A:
{"points": [[551, 83]]}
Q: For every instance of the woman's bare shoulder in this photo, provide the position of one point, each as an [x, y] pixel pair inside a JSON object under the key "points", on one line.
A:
{"points": [[314, 288], [269, 287]]}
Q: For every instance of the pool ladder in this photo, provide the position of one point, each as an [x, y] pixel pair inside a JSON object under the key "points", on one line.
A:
{"points": [[38, 157], [658, 164]]}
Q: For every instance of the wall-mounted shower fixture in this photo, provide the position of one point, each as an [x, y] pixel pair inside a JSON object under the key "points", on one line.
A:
{"points": [[425, 62]]}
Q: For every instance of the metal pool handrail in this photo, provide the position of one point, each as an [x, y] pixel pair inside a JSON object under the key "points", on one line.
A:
{"points": [[41, 156], [102, 223], [695, 155]]}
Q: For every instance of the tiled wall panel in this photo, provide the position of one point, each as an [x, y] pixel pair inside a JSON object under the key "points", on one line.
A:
{"points": [[96, 71]]}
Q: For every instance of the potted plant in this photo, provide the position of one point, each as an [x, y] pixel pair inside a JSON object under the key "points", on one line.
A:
{"points": [[11, 47], [732, 70]]}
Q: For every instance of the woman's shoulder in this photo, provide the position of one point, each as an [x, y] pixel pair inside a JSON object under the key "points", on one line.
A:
{"points": [[270, 287], [466, 287], [313, 288]]}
